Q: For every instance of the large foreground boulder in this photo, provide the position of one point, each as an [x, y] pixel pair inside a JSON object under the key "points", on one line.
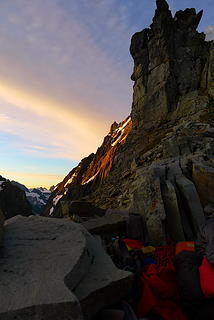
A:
{"points": [[44, 262], [103, 285]]}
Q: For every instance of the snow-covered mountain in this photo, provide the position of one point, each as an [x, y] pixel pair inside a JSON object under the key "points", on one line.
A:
{"points": [[37, 197]]}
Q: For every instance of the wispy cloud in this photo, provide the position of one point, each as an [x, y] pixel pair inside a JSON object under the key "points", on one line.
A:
{"points": [[68, 57], [60, 87], [57, 130]]}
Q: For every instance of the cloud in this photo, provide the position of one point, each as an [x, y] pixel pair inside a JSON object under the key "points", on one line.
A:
{"points": [[209, 33], [56, 130], [67, 56], [60, 86]]}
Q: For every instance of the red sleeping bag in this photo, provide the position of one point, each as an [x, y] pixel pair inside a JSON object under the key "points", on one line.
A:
{"points": [[160, 296], [133, 244], [207, 278]]}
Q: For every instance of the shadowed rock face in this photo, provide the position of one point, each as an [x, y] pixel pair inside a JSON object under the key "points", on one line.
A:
{"points": [[154, 169], [169, 59], [13, 200]]}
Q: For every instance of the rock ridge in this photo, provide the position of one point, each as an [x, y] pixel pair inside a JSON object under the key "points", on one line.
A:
{"points": [[164, 162]]}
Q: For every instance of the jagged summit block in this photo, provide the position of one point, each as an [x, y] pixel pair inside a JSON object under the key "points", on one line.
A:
{"points": [[162, 5], [170, 61], [188, 18]]}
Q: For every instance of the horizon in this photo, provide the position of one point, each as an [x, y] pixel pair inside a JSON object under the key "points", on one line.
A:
{"points": [[66, 79]]}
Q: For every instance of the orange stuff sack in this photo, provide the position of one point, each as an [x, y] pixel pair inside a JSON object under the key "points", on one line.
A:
{"points": [[206, 271], [185, 246]]}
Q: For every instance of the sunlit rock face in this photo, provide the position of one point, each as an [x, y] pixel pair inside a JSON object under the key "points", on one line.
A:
{"points": [[91, 171], [150, 163]]}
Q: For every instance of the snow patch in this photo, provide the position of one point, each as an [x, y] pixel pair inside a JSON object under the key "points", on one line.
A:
{"points": [[56, 199], [92, 178], [119, 133], [125, 124], [51, 211], [34, 197], [70, 180]]}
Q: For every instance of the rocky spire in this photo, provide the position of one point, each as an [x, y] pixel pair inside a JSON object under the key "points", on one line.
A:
{"points": [[169, 60], [162, 12], [162, 5]]}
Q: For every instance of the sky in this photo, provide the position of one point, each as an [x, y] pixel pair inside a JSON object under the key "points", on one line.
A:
{"points": [[65, 77]]}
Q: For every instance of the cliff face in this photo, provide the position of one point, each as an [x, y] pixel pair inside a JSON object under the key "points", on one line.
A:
{"points": [[162, 164], [170, 63]]}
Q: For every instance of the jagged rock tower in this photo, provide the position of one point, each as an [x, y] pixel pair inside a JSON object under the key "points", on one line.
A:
{"points": [[170, 63], [160, 162]]}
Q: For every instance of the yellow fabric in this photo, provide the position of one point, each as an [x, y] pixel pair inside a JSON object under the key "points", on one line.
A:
{"points": [[148, 249], [145, 250]]}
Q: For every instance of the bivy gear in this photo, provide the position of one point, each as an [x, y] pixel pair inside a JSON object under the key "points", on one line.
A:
{"points": [[160, 295], [207, 278], [187, 269], [205, 240], [185, 246]]}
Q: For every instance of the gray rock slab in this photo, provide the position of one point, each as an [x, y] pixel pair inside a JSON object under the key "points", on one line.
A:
{"points": [[147, 201], [117, 212], [192, 201], [39, 256], [104, 284], [173, 218], [174, 170], [105, 225]]}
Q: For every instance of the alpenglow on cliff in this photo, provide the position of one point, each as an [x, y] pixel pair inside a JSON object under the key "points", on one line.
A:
{"points": [[159, 161]]}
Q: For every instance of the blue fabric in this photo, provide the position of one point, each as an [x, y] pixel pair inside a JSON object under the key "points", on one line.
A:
{"points": [[149, 260]]}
